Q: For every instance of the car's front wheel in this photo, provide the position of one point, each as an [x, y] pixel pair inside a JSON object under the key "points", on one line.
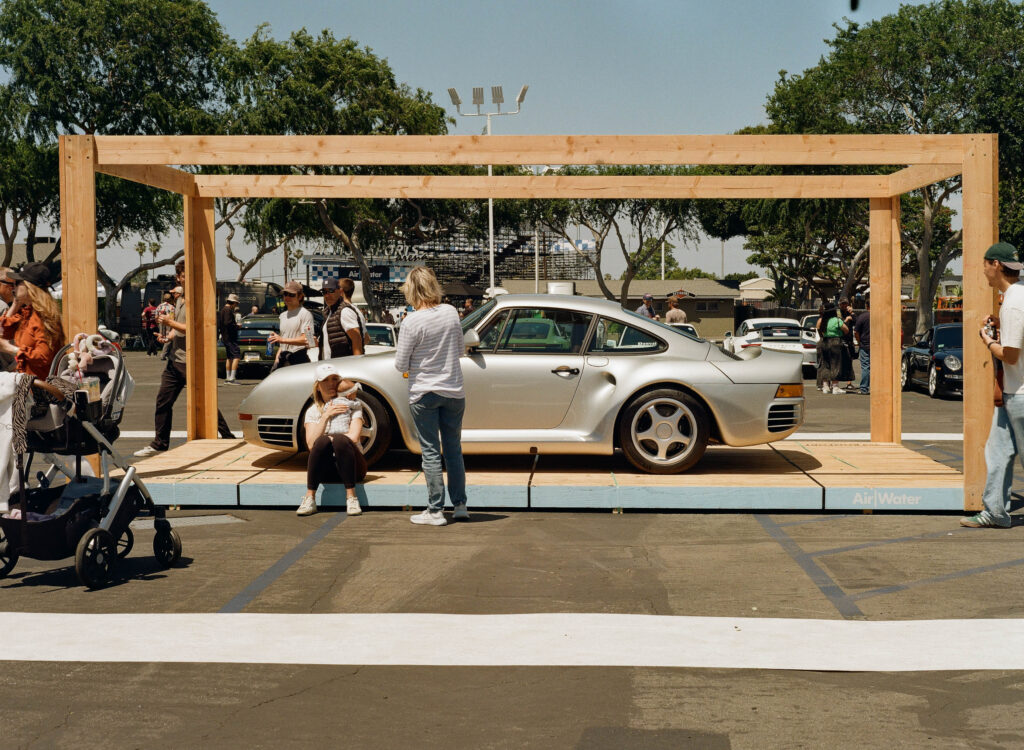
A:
{"points": [[664, 431], [375, 438], [904, 374], [933, 383]]}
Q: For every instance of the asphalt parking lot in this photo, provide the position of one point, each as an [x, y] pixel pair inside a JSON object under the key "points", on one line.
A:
{"points": [[787, 567]]}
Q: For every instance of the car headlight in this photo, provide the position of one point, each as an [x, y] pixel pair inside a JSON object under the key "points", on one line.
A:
{"points": [[952, 363]]}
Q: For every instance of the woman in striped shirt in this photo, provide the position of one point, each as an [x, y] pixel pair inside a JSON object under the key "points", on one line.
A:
{"points": [[430, 345]]}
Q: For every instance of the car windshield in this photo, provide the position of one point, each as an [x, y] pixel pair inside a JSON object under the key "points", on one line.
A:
{"points": [[477, 315], [666, 326], [949, 338], [257, 324], [381, 335]]}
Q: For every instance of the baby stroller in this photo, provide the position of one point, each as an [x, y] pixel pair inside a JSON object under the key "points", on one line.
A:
{"points": [[88, 517]]}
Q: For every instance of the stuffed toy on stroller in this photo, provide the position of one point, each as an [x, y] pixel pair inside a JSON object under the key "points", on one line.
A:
{"points": [[73, 414]]}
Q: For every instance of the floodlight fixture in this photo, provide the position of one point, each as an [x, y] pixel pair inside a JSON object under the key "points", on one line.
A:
{"points": [[497, 98]]}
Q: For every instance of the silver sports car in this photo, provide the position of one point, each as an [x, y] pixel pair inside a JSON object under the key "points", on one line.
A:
{"points": [[561, 374]]}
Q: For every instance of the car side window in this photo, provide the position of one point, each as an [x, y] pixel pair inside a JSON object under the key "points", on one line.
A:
{"points": [[490, 333], [613, 336], [538, 330]]}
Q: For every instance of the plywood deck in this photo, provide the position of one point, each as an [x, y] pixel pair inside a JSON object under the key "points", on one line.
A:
{"points": [[783, 476]]}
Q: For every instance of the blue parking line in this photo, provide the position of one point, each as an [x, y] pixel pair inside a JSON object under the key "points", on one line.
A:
{"points": [[275, 571], [832, 591]]}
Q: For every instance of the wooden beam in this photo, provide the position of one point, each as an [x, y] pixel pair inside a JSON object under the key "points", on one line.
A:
{"points": [[884, 275], [920, 175], [469, 187], [154, 175], [980, 230], [532, 149], [77, 154], [201, 333]]}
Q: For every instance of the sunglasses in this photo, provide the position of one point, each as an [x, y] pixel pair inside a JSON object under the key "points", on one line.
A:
{"points": [[289, 294]]}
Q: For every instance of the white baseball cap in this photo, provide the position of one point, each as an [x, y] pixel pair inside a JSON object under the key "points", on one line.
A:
{"points": [[324, 370]]}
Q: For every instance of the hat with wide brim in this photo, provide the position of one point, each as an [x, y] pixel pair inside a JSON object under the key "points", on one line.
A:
{"points": [[232, 298]]}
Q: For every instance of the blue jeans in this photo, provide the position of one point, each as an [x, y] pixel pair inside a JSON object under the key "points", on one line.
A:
{"points": [[865, 370], [438, 421], [1004, 440]]}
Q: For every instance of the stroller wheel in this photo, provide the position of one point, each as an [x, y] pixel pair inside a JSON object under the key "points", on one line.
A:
{"points": [[8, 559], [167, 547], [95, 558], [125, 542]]}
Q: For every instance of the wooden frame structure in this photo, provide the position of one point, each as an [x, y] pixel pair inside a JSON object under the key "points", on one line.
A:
{"points": [[156, 161]]}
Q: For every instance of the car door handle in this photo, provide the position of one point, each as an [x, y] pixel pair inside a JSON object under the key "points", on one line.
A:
{"points": [[564, 370]]}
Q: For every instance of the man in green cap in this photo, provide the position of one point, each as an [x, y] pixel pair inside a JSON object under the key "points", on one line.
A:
{"points": [[1004, 339]]}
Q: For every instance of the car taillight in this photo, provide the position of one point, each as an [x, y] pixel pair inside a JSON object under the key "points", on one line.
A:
{"points": [[811, 345], [245, 417], [745, 346]]}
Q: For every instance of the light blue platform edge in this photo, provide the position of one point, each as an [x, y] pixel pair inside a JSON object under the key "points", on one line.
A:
{"points": [[637, 497]]}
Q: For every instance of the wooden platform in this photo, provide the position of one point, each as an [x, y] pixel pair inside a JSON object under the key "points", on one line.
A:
{"points": [[790, 475]]}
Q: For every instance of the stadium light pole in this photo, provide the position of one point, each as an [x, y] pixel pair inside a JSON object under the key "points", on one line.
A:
{"points": [[497, 98]]}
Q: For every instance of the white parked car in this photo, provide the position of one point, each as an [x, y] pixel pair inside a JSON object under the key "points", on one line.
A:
{"points": [[780, 334]]}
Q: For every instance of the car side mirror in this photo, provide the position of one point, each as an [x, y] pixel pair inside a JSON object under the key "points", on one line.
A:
{"points": [[471, 339], [728, 334]]}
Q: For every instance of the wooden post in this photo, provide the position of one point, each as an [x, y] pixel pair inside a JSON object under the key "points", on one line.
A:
{"points": [[884, 273], [77, 155], [200, 305], [981, 229]]}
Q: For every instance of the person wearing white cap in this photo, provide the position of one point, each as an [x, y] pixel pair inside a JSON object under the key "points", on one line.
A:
{"points": [[333, 423], [227, 322]]}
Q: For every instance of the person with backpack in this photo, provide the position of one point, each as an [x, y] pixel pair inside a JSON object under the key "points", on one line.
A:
{"points": [[344, 330]]}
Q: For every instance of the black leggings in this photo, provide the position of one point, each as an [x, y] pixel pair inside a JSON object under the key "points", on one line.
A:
{"points": [[334, 459]]}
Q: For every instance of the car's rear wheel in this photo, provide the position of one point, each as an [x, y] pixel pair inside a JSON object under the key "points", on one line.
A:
{"points": [[664, 431]]}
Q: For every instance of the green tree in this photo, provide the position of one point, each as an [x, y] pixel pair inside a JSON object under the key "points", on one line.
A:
{"points": [[953, 66], [117, 67], [320, 85]]}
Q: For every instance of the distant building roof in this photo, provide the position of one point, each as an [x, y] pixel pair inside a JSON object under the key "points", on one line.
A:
{"points": [[699, 288]]}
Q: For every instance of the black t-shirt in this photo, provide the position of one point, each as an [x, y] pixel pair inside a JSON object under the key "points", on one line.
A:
{"points": [[863, 329], [227, 324]]}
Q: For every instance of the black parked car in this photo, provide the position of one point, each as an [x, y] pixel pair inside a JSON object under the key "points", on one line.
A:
{"points": [[935, 360]]}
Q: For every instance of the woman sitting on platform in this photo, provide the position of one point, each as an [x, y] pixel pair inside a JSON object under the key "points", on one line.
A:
{"points": [[333, 424]]}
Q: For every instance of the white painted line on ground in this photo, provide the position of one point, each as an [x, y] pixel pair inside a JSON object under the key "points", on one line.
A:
{"points": [[953, 436], [147, 523], [517, 640], [148, 434], [950, 436]]}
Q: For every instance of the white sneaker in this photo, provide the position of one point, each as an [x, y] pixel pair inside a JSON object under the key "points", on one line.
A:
{"points": [[308, 506], [461, 513], [146, 452], [836, 391], [352, 506], [430, 518]]}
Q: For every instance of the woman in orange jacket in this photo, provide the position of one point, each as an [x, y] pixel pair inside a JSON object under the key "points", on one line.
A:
{"points": [[31, 329]]}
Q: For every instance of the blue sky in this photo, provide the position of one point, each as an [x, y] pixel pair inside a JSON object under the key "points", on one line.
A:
{"points": [[597, 67]]}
